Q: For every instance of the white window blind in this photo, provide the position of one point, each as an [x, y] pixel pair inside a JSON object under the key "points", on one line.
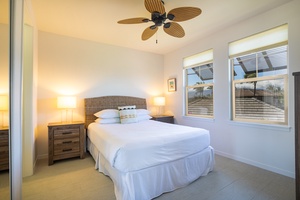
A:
{"points": [[198, 59], [271, 38]]}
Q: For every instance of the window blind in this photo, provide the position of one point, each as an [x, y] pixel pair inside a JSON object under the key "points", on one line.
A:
{"points": [[265, 40], [198, 59]]}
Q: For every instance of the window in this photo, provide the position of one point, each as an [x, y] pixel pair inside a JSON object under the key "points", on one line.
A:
{"points": [[259, 79], [198, 70]]}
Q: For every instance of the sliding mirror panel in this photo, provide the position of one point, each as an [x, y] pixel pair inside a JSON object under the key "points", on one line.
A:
{"points": [[4, 91]]}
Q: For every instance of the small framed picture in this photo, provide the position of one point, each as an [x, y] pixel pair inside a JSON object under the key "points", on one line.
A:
{"points": [[172, 84]]}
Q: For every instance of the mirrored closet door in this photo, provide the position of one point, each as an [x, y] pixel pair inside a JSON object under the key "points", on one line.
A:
{"points": [[4, 91]]}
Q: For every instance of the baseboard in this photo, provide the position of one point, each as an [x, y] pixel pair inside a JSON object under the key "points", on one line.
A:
{"points": [[34, 165], [257, 164]]}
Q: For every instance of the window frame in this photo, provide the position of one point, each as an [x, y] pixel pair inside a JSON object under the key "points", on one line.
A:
{"points": [[186, 100], [187, 88], [259, 78]]}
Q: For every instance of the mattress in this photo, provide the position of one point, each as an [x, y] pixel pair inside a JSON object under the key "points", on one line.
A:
{"points": [[146, 143]]}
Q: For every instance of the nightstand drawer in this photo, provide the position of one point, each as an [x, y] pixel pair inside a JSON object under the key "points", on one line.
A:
{"points": [[4, 157], [4, 165], [68, 145], [66, 149], [3, 141], [4, 149], [3, 133], [3, 138], [67, 141], [65, 133]]}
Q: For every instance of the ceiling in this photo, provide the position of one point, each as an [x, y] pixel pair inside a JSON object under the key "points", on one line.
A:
{"points": [[96, 20]]}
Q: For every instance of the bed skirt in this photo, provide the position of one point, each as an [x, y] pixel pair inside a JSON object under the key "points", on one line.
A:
{"points": [[153, 181]]}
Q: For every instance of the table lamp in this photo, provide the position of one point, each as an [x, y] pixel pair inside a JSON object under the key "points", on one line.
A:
{"points": [[159, 102], [3, 106], [66, 103]]}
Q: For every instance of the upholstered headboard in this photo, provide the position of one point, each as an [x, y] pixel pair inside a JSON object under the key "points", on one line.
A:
{"points": [[93, 105]]}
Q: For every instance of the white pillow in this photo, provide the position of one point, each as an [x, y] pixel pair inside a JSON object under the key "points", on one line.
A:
{"points": [[143, 117], [127, 114], [142, 112], [115, 120], [107, 113]]}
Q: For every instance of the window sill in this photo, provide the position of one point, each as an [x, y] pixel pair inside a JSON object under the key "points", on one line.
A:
{"points": [[262, 126], [211, 120]]}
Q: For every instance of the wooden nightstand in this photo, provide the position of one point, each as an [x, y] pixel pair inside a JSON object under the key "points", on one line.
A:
{"points": [[4, 149], [65, 140], [163, 118]]}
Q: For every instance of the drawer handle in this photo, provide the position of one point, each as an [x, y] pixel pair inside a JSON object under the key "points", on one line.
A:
{"points": [[66, 133], [64, 150], [67, 142]]}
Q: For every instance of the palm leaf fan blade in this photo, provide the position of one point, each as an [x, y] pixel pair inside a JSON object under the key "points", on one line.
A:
{"points": [[137, 20], [148, 33], [155, 6], [183, 13], [174, 29]]}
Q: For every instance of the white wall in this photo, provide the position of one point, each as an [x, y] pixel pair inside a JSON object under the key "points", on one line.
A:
{"points": [[70, 66], [269, 147]]}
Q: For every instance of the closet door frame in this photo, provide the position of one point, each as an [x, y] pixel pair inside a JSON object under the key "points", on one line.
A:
{"points": [[15, 97]]}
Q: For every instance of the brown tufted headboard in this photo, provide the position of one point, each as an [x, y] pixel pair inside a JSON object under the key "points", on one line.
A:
{"points": [[93, 105]]}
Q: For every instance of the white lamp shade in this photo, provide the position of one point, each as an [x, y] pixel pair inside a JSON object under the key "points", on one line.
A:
{"points": [[159, 101], [66, 102], [3, 102]]}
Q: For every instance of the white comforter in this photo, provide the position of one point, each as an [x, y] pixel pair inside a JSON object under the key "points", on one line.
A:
{"points": [[130, 147]]}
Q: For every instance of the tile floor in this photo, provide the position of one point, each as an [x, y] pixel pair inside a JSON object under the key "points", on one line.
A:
{"points": [[76, 179]]}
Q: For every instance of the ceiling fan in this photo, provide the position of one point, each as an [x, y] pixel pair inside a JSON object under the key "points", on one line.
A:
{"points": [[159, 18]]}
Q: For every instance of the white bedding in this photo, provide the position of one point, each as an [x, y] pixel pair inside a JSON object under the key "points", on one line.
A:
{"points": [[147, 143], [153, 181]]}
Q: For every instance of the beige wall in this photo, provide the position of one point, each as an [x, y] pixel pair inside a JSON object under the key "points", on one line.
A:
{"points": [[266, 146], [70, 66], [4, 58], [4, 69]]}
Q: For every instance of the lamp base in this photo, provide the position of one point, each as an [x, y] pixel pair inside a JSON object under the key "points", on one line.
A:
{"points": [[66, 117], [159, 110]]}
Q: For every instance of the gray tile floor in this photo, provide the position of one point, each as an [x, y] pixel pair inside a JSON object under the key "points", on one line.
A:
{"points": [[230, 180]]}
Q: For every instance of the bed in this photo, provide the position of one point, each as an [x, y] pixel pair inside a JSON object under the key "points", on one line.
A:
{"points": [[147, 158]]}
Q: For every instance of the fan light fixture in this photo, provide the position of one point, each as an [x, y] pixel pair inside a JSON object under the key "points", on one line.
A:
{"points": [[159, 17]]}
